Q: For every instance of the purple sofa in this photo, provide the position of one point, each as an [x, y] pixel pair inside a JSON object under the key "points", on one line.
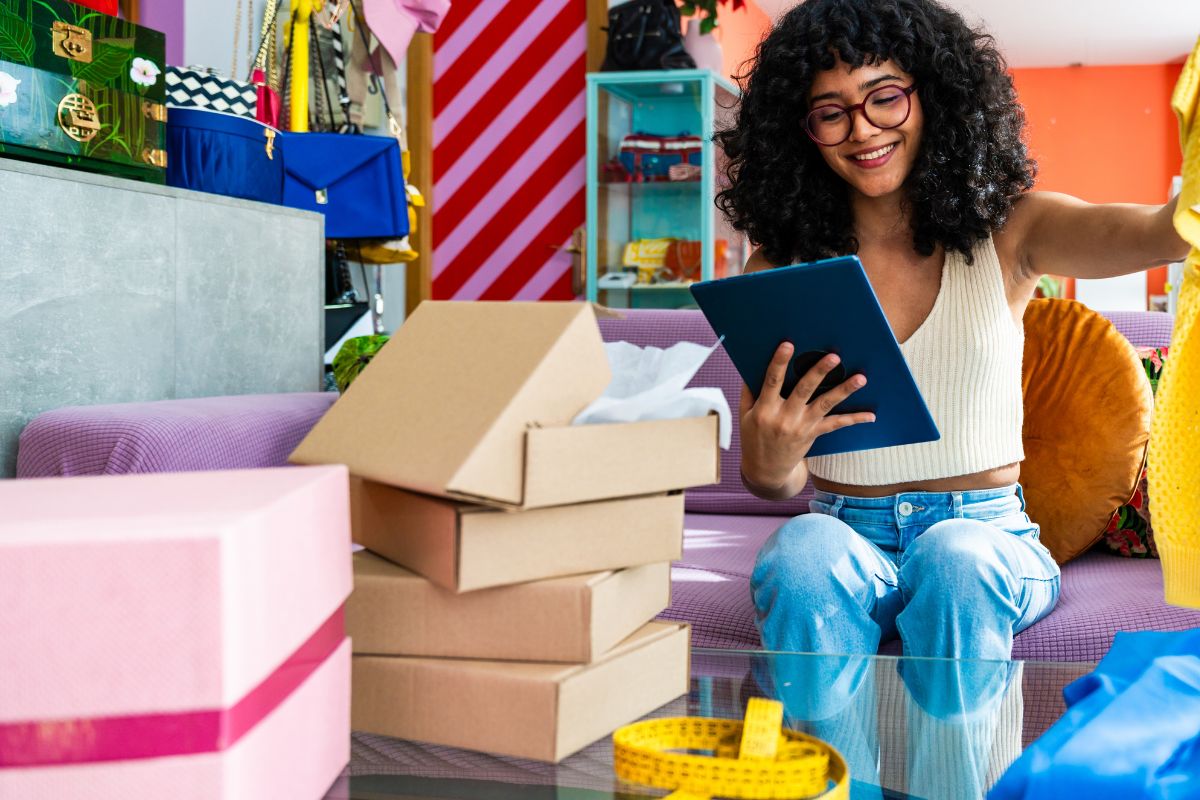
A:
{"points": [[726, 526]]}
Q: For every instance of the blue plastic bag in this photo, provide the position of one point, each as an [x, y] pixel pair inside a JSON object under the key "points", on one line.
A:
{"points": [[1131, 730]]}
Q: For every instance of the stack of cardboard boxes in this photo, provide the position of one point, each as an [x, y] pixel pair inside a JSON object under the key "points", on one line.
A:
{"points": [[514, 561]]}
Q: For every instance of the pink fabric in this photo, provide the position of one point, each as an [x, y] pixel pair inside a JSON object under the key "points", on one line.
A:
{"points": [[297, 752], [203, 433], [83, 741], [144, 594], [395, 21]]}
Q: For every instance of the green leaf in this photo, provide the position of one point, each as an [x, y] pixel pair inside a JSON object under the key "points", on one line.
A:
{"points": [[354, 356], [687, 10], [123, 44], [707, 24], [16, 38], [106, 65], [48, 7]]}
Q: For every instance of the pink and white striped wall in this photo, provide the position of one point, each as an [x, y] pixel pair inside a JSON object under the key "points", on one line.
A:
{"points": [[508, 159]]}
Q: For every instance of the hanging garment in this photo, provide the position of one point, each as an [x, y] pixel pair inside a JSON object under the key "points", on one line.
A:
{"points": [[395, 21], [1174, 465]]}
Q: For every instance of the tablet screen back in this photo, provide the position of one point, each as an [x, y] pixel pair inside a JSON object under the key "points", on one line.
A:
{"points": [[824, 307]]}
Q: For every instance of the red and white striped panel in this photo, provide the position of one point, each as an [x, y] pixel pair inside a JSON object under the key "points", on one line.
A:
{"points": [[509, 139]]}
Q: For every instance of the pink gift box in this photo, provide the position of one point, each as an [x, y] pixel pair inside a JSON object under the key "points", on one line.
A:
{"points": [[174, 635]]}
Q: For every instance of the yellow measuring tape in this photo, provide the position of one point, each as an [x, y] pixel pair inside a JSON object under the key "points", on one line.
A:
{"points": [[755, 759]]}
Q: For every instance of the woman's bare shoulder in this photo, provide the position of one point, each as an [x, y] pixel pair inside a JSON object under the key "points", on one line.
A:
{"points": [[757, 262]]}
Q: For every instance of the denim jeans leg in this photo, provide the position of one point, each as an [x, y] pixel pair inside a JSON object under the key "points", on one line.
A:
{"points": [[969, 587], [820, 587], [951, 755]]}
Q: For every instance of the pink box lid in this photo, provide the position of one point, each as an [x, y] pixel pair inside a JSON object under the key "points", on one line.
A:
{"points": [[157, 593]]}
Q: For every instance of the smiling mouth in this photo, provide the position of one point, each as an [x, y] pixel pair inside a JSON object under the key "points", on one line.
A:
{"points": [[874, 155]]}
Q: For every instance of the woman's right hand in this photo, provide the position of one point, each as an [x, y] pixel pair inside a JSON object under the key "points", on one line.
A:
{"points": [[777, 433]]}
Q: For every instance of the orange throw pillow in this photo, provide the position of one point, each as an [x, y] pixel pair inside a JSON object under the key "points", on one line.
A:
{"points": [[1087, 421]]}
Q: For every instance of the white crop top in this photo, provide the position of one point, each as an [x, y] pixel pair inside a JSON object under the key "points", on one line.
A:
{"points": [[966, 359]]}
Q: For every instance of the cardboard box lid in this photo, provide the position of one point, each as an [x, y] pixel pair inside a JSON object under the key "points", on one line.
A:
{"points": [[160, 592], [445, 405], [574, 619]]}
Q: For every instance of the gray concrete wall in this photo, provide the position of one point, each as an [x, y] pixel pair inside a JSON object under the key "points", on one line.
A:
{"points": [[115, 291]]}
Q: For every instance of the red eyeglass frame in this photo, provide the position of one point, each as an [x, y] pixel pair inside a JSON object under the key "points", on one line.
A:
{"points": [[861, 107]]}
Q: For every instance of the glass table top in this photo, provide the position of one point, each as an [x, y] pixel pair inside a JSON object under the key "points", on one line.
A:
{"points": [[936, 729]]}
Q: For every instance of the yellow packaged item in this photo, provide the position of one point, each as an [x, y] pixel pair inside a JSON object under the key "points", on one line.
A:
{"points": [[646, 253], [756, 758], [1174, 459]]}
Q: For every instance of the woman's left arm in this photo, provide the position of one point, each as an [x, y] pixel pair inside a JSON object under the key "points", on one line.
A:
{"points": [[1062, 235]]}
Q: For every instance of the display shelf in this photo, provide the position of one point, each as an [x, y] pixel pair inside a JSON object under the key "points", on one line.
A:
{"points": [[677, 111]]}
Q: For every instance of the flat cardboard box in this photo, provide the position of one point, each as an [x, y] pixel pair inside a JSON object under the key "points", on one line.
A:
{"points": [[463, 547], [574, 619], [527, 710], [473, 401]]}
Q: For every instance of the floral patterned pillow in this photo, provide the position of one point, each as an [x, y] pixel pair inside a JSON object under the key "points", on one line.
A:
{"points": [[1129, 532]]}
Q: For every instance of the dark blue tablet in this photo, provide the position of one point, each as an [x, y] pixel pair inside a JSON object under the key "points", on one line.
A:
{"points": [[823, 307]]}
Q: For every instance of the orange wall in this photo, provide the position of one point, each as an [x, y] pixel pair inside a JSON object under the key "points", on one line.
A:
{"points": [[1103, 134], [739, 33]]}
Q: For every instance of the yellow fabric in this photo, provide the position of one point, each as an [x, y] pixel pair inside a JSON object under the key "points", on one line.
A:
{"points": [[298, 79], [1175, 436], [1087, 402]]}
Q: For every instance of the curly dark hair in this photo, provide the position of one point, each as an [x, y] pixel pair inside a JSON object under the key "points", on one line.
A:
{"points": [[972, 162]]}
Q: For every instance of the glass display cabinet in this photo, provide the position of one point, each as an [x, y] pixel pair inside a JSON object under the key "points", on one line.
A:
{"points": [[653, 173]]}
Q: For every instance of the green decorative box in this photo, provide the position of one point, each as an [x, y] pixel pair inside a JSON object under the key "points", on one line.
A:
{"points": [[81, 88]]}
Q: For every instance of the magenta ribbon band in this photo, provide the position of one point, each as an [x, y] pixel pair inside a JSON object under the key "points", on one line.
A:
{"points": [[84, 741]]}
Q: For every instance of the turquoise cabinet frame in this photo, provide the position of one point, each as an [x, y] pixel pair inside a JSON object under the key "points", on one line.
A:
{"points": [[640, 90]]}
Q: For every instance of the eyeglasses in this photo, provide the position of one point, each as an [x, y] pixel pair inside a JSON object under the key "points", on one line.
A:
{"points": [[885, 107]]}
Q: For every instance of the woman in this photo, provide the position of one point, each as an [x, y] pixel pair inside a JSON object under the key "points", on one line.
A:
{"points": [[890, 129]]}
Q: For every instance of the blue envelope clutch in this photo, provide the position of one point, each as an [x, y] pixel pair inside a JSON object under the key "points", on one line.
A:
{"points": [[356, 181]]}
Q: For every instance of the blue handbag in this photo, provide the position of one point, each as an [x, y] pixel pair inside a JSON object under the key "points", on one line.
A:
{"points": [[356, 181], [210, 151], [1131, 730]]}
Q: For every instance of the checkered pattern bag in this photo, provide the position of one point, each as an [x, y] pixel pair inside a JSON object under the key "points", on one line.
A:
{"points": [[197, 87]]}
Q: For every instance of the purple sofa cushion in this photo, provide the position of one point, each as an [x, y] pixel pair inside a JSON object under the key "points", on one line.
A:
{"points": [[655, 328], [1101, 594], [206, 433]]}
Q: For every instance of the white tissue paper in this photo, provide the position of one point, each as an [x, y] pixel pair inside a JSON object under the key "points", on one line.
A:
{"points": [[649, 383]]}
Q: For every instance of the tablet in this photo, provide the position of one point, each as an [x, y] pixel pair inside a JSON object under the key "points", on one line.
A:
{"points": [[823, 307]]}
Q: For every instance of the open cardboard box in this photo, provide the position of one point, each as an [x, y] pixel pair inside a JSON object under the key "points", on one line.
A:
{"points": [[574, 619], [463, 547], [473, 401], [528, 710]]}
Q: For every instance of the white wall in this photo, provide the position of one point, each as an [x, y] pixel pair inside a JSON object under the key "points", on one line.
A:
{"points": [[208, 32]]}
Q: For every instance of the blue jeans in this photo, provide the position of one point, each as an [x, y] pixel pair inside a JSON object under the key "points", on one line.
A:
{"points": [[954, 574]]}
